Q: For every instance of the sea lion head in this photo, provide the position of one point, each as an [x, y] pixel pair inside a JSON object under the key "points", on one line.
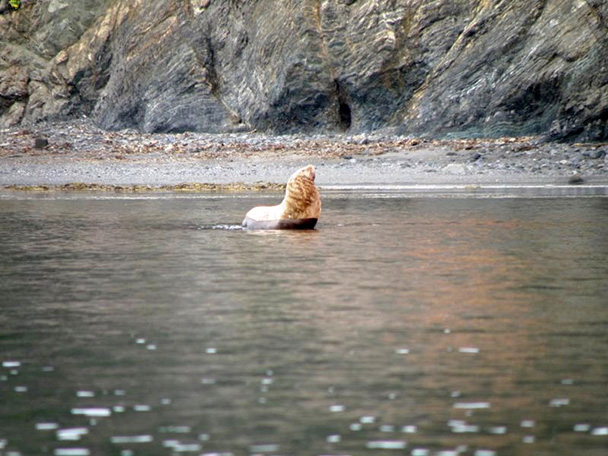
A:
{"points": [[308, 172]]}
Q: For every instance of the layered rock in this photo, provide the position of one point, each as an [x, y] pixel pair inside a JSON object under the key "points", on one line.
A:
{"points": [[460, 68]]}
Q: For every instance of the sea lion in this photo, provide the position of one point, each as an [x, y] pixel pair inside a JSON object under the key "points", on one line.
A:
{"points": [[299, 209]]}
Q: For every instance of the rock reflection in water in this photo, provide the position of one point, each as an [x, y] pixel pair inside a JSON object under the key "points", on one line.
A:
{"points": [[401, 326]]}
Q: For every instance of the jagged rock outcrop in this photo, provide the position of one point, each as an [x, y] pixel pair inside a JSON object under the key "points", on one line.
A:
{"points": [[442, 68]]}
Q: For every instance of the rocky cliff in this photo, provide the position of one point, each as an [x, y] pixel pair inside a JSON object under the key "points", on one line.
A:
{"points": [[451, 68]]}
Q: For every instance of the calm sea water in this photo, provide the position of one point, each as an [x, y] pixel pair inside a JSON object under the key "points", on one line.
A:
{"points": [[403, 325]]}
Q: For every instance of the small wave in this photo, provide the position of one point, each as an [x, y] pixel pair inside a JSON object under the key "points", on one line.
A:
{"points": [[222, 226]]}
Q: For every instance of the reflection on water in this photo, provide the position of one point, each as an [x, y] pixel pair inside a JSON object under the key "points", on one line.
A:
{"points": [[422, 326]]}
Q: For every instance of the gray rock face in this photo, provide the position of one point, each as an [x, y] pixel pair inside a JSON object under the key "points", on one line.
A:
{"points": [[454, 68]]}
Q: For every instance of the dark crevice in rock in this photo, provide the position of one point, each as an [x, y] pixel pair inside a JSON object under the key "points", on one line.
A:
{"points": [[344, 110], [209, 64], [89, 82]]}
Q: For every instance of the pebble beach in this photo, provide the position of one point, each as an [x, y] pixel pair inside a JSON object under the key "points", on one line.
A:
{"points": [[79, 156]]}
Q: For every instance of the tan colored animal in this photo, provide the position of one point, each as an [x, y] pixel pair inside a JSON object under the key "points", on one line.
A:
{"points": [[300, 208]]}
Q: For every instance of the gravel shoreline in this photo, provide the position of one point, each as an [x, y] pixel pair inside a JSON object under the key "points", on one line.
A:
{"points": [[79, 153]]}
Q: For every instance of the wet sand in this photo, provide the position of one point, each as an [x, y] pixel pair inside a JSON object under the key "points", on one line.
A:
{"points": [[81, 157]]}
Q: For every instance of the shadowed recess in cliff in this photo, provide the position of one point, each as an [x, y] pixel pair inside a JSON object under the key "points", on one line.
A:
{"points": [[344, 112]]}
